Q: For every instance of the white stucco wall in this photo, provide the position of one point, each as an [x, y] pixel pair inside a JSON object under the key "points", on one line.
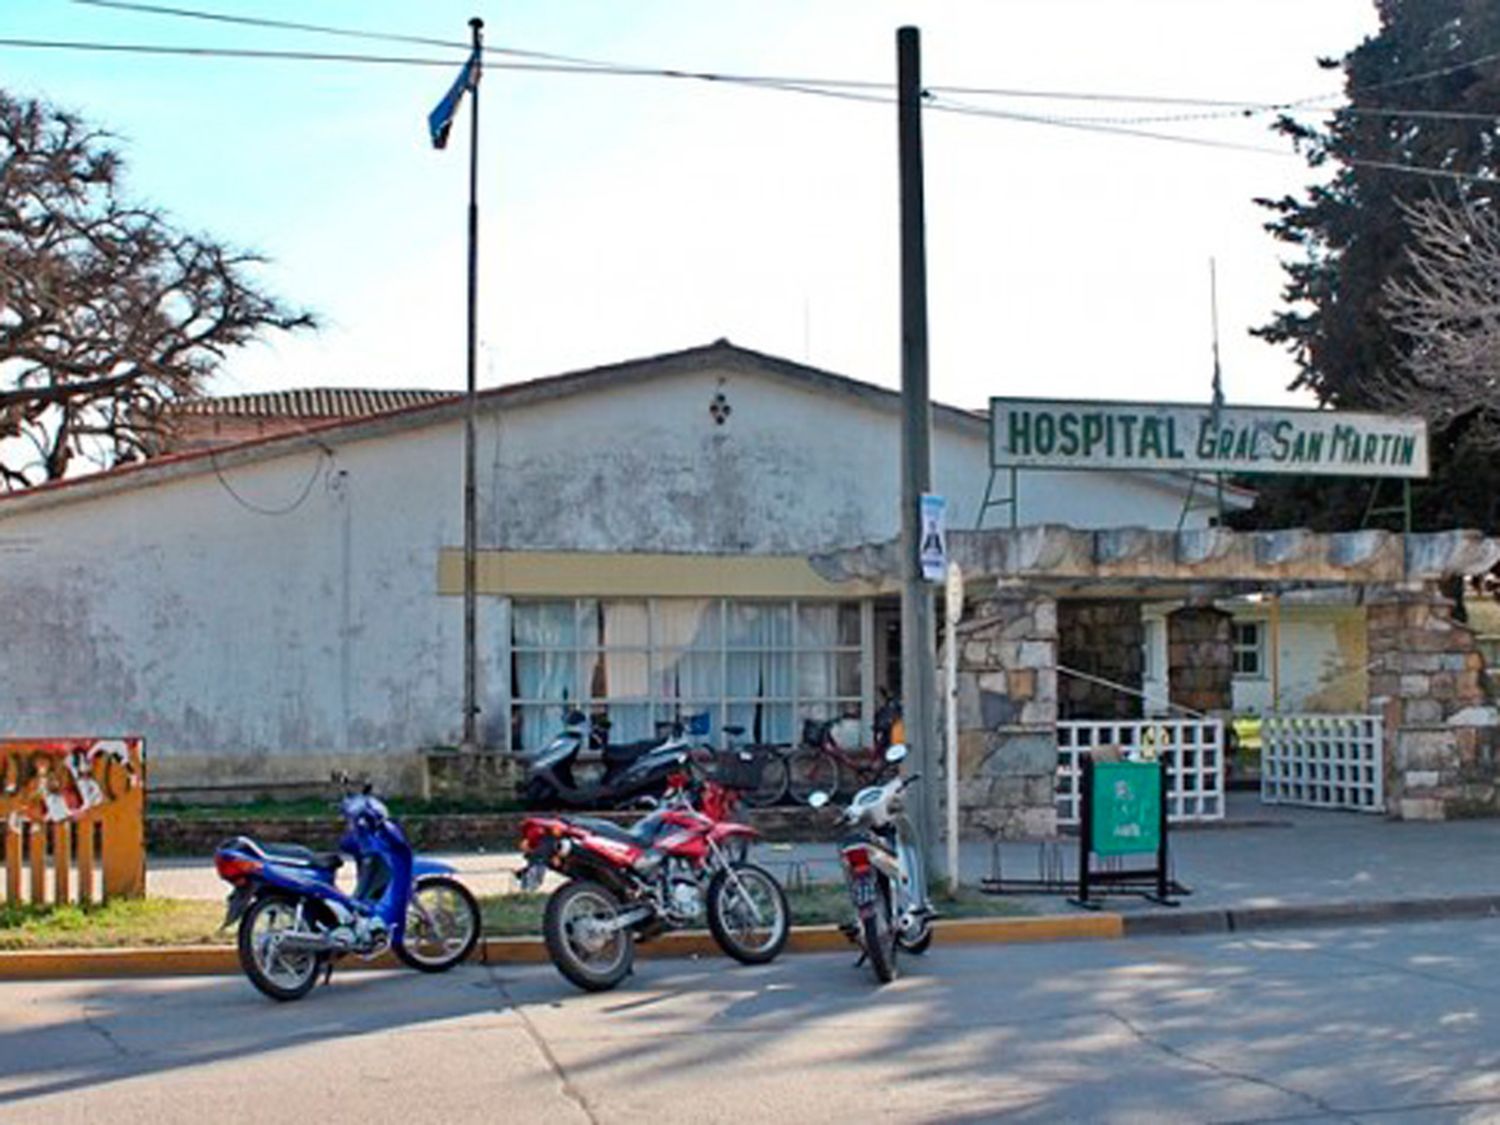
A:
{"points": [[263, 643]]}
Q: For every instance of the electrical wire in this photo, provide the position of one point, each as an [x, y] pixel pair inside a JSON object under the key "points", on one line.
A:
{"points": [[950, 106], [324, 455], [812, 87]]}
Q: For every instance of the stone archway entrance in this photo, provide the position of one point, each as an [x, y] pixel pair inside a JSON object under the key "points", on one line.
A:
{"points": [[1030, 588]]}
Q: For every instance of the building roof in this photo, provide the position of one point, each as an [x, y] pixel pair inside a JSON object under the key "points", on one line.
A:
{"points": [[310, 402], [430, 408]]}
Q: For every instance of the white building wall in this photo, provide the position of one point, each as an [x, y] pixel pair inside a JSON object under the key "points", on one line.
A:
{"points": [[268, 619]]}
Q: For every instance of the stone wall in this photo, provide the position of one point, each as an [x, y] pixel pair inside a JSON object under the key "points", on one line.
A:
{"points": [[1200, 659], [1427, 682], [1007, 716], [1104, 640]]}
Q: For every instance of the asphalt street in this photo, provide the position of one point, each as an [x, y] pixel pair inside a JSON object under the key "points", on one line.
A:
{"points": [[1398, 1023]]}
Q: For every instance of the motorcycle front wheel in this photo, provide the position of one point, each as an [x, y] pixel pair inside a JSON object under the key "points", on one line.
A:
{"points": [[747, 913], [442, 925], [916, 936], [879, 936], [581, 945], [281, 975]]}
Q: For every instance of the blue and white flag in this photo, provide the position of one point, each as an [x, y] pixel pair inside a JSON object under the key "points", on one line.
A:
{"points": [[440, 120]]}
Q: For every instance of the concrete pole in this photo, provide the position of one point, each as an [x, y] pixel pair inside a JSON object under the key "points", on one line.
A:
{"points": [[918, 636]]}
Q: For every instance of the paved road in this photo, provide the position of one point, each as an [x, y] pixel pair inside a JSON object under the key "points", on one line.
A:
{"points": [[1373, 1024]]}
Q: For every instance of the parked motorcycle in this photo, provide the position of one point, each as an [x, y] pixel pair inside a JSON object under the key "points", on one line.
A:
{"points": [[665, 872], [294, 921], [883, 867], [630, 770]]}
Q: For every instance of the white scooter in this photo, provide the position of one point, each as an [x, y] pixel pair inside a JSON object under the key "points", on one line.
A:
{"points": [[883, 866]]}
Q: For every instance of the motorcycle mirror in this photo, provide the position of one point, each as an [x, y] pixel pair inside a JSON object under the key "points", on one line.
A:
{"points": [[817, 798], [896, 753]]}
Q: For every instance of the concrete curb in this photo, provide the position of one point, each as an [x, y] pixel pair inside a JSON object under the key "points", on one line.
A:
{"points": [[1312, 915], [217, 960]]}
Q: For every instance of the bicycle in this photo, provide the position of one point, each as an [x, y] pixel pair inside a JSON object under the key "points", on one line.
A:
{"points": [[820, 763], [757, 773]]}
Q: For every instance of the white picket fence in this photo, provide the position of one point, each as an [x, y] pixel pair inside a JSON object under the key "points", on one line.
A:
{"points": [[1324, 761], [1193, 749]]}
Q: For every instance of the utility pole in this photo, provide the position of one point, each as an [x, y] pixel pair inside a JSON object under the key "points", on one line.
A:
{"points": [[918, 637]]}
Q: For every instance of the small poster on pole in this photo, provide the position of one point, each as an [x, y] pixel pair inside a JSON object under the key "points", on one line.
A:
{"points": [[933, 549]]}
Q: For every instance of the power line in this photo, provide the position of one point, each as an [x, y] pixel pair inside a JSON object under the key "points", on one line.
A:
{"points": [[321, 29], [949, 106], [1233, 106], [812, 87]]}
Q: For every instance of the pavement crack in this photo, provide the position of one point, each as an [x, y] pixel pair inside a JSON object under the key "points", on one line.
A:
{"points": [[93, 1024], [569, 1090], [1146, 1038]]}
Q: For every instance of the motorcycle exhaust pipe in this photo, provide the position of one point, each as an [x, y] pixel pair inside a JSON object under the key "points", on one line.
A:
{"points": [[305, 941]]}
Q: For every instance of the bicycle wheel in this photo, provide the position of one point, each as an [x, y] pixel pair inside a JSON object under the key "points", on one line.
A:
{"points": [[771, 784], [810, 770]]}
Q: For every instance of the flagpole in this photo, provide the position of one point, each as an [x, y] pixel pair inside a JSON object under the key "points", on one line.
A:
{"points": [[471, 706]]}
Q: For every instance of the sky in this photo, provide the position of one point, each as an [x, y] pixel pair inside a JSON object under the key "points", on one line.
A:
{"points": [[623, 217]]}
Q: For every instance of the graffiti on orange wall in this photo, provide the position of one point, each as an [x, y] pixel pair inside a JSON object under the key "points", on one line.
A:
{"points": [[47, 781]]}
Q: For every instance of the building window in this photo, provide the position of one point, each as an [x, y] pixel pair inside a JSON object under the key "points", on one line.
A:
{"points": [[1249, 649], [761, 665]]}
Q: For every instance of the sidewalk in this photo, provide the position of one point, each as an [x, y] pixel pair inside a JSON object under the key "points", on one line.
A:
{"points": [[1264, 866], [1260, 856]]}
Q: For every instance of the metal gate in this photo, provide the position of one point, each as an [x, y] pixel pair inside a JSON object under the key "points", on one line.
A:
{"points": [[1192, 748], [1323, 761]]}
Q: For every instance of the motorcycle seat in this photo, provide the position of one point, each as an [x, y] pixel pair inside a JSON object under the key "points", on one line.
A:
{"points": [[295, 855], [610, 829], [620, 752]]}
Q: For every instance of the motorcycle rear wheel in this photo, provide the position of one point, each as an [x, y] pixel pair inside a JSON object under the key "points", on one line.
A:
{"points": [[281, 976], [878, 936], [748, 914], [594, 961], [442, 925]]}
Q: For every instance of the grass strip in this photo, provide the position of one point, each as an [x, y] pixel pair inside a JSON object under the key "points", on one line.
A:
{"points": [[166, 921]]}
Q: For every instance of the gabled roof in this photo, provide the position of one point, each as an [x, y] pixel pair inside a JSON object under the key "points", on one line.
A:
{"points": [[436, 408]]}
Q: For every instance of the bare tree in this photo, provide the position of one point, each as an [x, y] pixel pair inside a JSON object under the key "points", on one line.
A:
{"points": [[108, 314], [1449, 310]]}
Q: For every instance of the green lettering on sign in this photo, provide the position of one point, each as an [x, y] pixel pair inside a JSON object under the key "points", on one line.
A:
{"points": [[1126, 807]]}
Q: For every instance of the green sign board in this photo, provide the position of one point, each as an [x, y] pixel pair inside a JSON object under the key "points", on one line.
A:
{"points": [[1126, 807], [1059, 434]]}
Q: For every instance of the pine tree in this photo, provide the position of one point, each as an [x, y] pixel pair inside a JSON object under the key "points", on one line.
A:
{"points": [[1422, 93]]}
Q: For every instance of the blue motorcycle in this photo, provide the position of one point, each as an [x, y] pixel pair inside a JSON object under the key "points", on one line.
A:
{"points": [[294, 921]]}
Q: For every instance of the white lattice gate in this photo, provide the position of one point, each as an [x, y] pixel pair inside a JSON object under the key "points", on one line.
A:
{"points": [[1193, 750], [1325, 761]]}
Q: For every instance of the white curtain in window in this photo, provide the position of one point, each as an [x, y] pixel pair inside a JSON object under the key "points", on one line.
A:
{"points": [[627, 673], [817, 632], [689, 646], [757, 673], [544, 636]]}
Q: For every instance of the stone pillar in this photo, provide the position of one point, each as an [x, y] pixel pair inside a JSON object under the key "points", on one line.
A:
{"points": [[1103, 639], [1007, 716], [1426, 682], [1200, 659]]}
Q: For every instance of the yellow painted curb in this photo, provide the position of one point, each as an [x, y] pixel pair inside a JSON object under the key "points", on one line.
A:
{"points": [[205, 960]]}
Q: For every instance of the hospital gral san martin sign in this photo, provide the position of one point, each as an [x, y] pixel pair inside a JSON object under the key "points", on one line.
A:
{"points": [[1058, 434]]}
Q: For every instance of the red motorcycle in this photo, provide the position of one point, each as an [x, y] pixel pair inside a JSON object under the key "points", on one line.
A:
{"points": [[626, 885]]}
